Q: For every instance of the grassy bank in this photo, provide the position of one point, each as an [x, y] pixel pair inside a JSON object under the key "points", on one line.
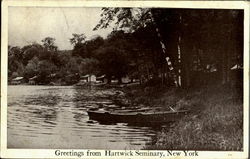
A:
{"points": [[215, 121]]}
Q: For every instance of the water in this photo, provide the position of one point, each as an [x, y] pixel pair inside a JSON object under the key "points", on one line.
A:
{"points": [[55, 117]]}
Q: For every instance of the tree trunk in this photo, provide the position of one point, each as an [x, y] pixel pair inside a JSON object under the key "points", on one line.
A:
{"points": [[225, 67], [185, 66], [163, 47], [162, 75], [179, 63], [183, 57], [185, 74], [227, 51]]}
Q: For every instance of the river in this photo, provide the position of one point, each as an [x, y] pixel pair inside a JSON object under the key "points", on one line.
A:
{"points": [[52, 117]]}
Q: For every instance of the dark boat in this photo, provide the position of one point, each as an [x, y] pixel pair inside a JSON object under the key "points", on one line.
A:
{"points": [[134, 117]]}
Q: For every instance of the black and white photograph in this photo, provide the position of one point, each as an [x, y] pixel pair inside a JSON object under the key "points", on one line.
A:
{"points": [[125, 78]]}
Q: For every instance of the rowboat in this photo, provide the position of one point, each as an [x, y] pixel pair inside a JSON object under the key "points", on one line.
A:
{"points": [[135, 117]]}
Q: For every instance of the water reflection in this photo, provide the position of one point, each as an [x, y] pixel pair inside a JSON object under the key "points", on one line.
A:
{"points": [[56, 117]]}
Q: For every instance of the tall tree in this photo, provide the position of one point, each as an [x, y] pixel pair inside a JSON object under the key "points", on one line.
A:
{"points": [[211, 36], [49, 44], [132, 19], [77, 39], [112, 62], [29, 51], [15, 61]]}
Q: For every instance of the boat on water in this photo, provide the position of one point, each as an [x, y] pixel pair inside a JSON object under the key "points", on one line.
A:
{"points": [[135, 117]]}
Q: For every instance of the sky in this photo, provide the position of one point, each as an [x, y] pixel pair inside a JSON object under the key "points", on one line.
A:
{"points": [[32, 24]]}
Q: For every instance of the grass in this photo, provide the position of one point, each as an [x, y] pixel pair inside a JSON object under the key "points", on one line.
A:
{"points": [[215, 121]]}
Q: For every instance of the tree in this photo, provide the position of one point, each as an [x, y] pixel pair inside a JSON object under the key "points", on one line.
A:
{"points": [[132, 19], [15, 52], [218, 39], [77, 39], [30, 51], [49, 44], [78, 43], [112, 62], [129, 19], [86, 49], [32, 68], [89, 66], [45, 68], [15, 61], [49, 51], [92, 45], [210, 36], [73, 64]]}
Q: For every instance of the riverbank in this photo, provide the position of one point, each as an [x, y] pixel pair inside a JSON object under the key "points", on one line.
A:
{"points": [[215, 121]]}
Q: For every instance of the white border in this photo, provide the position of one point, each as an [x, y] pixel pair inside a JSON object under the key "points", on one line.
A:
{"points": [[50, 153]]}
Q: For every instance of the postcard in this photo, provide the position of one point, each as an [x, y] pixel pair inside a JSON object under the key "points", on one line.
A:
{"points": [[125, 79]]}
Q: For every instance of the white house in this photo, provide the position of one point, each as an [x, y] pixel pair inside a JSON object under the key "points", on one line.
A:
{"points": [[88, 78]]}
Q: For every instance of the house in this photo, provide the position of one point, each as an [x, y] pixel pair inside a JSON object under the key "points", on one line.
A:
{"points": [[88, 78], [17, 80], [101, 79], [84, 78], [32, 80]]}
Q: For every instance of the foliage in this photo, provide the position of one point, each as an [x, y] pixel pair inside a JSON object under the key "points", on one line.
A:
{"points": [[86, 49], [89, 66], [110, 59], [49, 44], [195, 41], [207, 36], [77, 39], [15, 58], [31, 51], [92, 45], [73, 65], [105, 56], [129, 19], [45, 69], [34, 60], [31, 68]]}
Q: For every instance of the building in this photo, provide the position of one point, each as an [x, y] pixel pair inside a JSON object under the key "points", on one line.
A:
{"points": [[32, 80], [101, 79], [88, 78], [17, 80]]}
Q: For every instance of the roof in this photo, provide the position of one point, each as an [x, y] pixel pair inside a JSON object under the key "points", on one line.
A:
{"points": [[85, 76], [32, 78], [236, 67], [17, 78], [100, 77]]}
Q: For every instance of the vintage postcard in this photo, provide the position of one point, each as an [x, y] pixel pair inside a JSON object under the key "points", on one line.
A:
{"points": [[124, 79]]}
